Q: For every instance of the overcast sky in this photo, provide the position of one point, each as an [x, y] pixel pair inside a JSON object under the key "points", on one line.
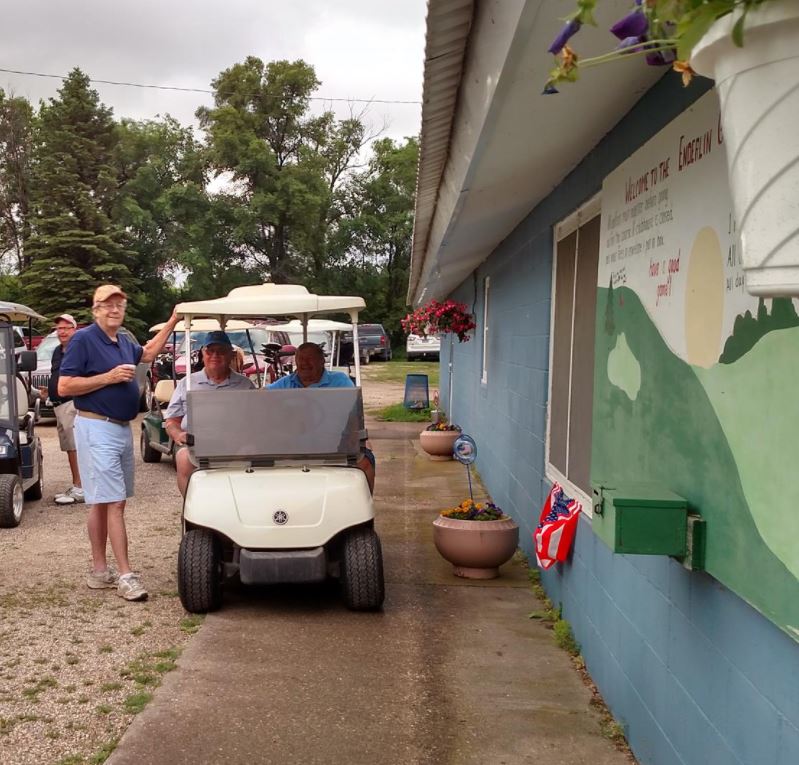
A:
{"points": [[369, 49]]}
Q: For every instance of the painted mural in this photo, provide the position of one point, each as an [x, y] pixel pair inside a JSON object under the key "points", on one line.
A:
{"points": [[695, 381]]}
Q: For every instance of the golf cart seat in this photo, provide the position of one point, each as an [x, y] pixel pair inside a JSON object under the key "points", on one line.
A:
{"points": [[163, 391]]}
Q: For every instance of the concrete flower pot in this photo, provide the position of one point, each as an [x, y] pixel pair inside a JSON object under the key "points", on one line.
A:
{"points": [[476, 549], [438, 443], [759, 100]]}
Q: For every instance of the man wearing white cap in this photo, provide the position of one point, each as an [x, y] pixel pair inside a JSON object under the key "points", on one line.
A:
{"points": [[64, 409], [99, 372]]}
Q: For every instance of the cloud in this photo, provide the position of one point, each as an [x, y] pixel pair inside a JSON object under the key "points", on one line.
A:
{"points": [[359, 49]]}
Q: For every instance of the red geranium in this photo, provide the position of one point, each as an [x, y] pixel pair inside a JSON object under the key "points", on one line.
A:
{"points": [[435, 318]]}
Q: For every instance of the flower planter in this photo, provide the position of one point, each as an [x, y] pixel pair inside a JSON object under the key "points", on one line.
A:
{"points": [[476, 549], [438, 443], [759, 113]]}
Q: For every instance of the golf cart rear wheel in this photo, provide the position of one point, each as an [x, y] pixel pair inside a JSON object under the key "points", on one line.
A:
{"points": [[148, 454], [362, 570], [11, 501], [200, 571], [35, 491]]}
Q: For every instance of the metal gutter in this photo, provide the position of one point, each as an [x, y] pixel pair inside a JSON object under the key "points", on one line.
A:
{"points": [[449, 23]]}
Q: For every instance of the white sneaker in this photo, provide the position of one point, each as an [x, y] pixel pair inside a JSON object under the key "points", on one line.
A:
{"points": [[102, 580], [70, 496], [131, 588]]}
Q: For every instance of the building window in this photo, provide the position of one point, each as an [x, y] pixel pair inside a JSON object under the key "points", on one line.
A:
{"points": [[571, 376], [486, 287]]}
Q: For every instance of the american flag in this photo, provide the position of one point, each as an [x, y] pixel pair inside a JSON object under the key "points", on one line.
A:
{"points": [[556, 527]]}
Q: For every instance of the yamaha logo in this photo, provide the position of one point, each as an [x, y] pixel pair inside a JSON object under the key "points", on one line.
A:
{"points": [[280, 517]]}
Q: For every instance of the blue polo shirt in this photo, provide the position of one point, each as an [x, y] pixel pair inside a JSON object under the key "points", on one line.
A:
{"points": [[328, 380], [91, 352]]}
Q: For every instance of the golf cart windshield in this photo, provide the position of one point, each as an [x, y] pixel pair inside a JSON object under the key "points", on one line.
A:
{"points": [[299, 424]]}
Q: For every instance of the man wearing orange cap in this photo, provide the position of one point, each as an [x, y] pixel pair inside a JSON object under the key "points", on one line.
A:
{"points": [[98, 370]]}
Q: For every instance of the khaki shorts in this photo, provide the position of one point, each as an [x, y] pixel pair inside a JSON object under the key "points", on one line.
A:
{"points": [[65, 422]]}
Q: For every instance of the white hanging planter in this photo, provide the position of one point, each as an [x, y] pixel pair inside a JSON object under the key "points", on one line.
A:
{"points": [[758, 87]]}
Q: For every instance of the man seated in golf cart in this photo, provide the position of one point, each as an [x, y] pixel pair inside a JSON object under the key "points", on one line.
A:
{"points": [[311, 373], [216, 374]]}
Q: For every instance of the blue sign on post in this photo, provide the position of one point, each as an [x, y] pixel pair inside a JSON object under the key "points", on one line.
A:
{"points": [[417, 395]]}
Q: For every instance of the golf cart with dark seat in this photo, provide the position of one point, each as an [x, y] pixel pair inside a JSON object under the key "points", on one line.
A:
{"points": [[20, 448]]}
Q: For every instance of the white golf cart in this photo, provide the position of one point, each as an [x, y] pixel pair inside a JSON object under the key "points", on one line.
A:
{"points": [[277, 496]]}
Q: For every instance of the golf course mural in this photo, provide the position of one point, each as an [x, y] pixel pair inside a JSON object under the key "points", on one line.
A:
{"points": [[694, 379]]}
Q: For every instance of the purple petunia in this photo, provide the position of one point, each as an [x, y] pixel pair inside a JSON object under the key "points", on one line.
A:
{"points": [[630, 44], [634, 24], [569, 30], [661, 57]]}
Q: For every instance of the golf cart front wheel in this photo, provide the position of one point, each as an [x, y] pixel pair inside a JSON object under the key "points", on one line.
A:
{"points": [[11, 501], [200, 571], [148, 454], [362, 570]]}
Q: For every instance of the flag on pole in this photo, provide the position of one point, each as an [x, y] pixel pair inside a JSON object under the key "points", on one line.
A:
{"points": [[556, 527]]}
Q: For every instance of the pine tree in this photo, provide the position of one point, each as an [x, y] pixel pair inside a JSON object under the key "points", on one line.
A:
{"points": [[73, 246]]}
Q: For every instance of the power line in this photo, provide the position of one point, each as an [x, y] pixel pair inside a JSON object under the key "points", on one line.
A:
{"points": [[201, 90]]}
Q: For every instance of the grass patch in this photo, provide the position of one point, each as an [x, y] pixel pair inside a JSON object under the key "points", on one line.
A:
{"points": [[564, 637], [104, 752], [105, 649], [137, 701], [190, 624], [32, 692], [104, 709], [399, 413], [108, 687], [71, 759], [395, 371]]}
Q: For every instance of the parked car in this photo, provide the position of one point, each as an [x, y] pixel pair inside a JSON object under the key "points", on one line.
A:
{"points": [[44, 359], [419, 347], [373, 341]]}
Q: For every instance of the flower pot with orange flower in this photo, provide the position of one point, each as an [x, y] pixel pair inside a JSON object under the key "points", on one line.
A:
{"points": [[476, 538]]}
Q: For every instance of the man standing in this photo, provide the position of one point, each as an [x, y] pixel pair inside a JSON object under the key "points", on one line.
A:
{"points": [[98, 370], [216, 374], [64, 409], [309, 359]]}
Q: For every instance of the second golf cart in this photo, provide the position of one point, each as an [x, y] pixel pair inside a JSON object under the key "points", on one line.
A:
{"points": [[21, 472], [277, 496]]}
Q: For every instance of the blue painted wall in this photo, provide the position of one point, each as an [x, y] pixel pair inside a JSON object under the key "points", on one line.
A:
{"points": [[692, 672]]}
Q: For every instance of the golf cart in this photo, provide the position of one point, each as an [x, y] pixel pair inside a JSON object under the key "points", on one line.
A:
{"points": [[20, 447], [277, 496]]}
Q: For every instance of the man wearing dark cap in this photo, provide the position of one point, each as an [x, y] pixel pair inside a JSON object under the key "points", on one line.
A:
{"points": [[64, 410], [216, 374], [98, 372]]}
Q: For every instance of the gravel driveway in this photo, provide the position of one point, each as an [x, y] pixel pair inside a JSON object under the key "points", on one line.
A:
{"points": [[77, 664]]}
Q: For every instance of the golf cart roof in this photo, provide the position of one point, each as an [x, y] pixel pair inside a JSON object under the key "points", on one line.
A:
{"points": [[205, 325], [19, 312], [314, 325], [272, 300]]}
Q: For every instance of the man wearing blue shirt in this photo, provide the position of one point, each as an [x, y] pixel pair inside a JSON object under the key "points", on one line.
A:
{"points": [[99, 372], [309, 360]]}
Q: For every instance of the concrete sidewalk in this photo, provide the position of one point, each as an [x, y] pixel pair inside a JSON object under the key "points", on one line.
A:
{"points": [[450, 672]]}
